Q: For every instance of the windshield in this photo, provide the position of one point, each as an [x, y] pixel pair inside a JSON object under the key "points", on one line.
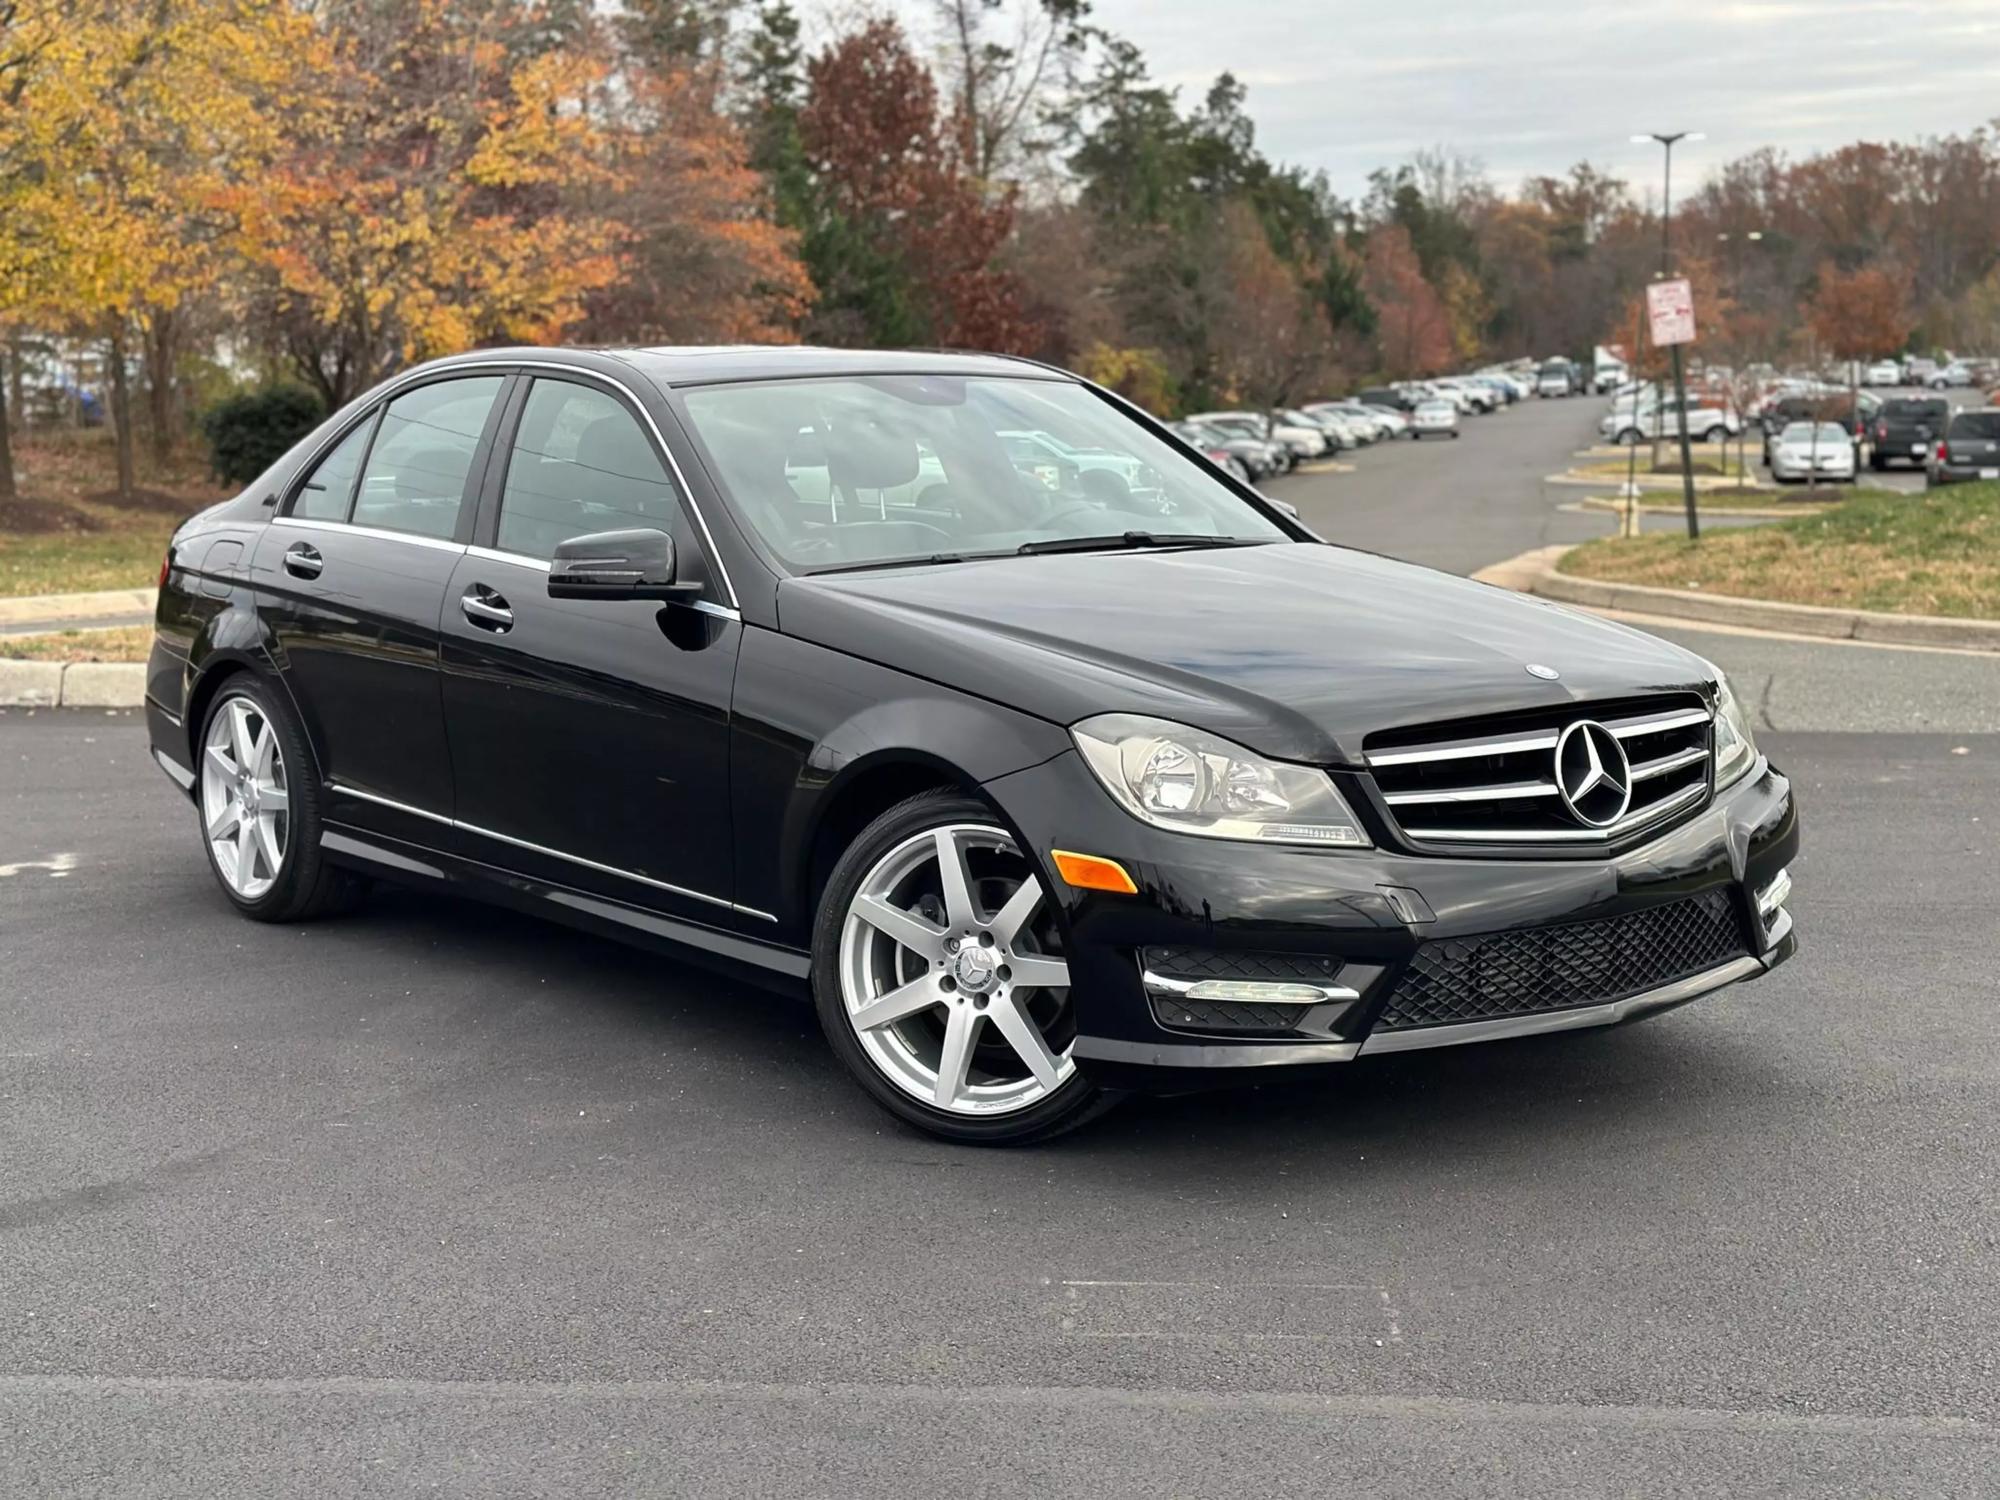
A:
{"points": [[867, 471]]}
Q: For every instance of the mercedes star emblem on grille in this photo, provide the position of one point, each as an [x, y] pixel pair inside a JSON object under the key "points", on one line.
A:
{"points": [[1592, 774]]}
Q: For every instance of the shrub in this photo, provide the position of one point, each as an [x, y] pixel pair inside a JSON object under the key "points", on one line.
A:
{"points": [[248, 433]]}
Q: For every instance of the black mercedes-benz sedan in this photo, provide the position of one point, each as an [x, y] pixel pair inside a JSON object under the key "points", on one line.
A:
{"points": [[1050, 760]]}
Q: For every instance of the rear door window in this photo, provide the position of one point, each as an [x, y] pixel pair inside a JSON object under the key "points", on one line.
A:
{"points": [[417, 471], [329, 489]]}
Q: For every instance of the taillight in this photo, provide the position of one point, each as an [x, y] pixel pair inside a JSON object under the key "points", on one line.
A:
{"points": [[166, 567], [1941, 453], [1881, 431]]}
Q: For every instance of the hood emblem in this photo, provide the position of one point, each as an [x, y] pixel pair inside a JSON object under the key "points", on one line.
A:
{"points": [[1547, 674], [1592, 774]]}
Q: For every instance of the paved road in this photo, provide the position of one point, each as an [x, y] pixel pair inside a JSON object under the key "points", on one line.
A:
{"points": [[1466, 504], [436, 1200]]}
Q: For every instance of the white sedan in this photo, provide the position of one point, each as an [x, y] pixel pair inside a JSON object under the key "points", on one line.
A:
{"points": [[1434, 418], [1883, 372], [1801, 455]]}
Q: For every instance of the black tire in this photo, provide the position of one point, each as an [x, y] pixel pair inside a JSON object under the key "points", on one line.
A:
{"points": [[1074, 1102], [307, 885]]}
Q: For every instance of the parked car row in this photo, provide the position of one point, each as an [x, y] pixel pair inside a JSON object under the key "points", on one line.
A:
{"points": [[1939, 375]]}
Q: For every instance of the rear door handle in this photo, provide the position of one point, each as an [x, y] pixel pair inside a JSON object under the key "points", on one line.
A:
{"points": [[487, 609], [302, 560]]}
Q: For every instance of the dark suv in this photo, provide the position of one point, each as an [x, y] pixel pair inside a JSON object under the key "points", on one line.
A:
{"points": [[1907, 428], [1970, 450], [1044, 780]]}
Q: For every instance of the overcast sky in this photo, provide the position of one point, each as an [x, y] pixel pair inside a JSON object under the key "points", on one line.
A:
{"points": [[1530, 86]]}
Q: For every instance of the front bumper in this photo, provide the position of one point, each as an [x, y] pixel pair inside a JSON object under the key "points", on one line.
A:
{"points": [[1366, 918]]}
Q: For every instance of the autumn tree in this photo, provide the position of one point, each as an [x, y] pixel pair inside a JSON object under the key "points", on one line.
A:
{"points": [[1414, 332], [422, 205], [704, 262], [130, 125], [905, 237]]}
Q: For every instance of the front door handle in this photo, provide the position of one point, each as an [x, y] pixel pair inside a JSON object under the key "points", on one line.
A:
{"points": [[302, 560], [487, 609]]}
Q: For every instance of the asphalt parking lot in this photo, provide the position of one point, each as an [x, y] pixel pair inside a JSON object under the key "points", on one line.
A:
{"points": [[432, 1199]]}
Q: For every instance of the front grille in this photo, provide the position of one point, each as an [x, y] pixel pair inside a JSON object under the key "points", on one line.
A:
{"points": [[1493, 781], [1554, 968]]}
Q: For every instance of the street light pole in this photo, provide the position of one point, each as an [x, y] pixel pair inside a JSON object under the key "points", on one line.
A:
{"points": [[1667, 139]]}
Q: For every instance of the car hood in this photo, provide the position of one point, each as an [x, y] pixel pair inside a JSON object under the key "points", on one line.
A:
{"points": [[1298, 650]]}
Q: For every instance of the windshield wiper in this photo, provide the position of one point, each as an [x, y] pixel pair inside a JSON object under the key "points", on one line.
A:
{"points": [[896, 562], [1117, 539]]}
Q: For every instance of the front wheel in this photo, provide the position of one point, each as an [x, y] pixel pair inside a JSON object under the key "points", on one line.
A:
{"points": [[940, 980]]}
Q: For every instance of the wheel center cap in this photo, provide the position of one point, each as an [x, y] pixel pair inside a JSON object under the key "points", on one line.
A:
{"points": [[973, 969]]}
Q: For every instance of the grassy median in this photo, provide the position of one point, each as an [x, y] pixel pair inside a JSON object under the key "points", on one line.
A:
{"points": [[116, 643], [1933, 553]]}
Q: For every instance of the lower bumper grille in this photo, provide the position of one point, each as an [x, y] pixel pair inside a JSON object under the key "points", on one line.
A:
{"points": [[1556, 968]]}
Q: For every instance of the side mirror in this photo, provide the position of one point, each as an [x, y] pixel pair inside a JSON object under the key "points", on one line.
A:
{"points": [[1284, 505], [617, 565]]}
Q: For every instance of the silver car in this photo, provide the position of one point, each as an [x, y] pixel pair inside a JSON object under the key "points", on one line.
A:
{"points": [[1435, 417], [1801, 454]]}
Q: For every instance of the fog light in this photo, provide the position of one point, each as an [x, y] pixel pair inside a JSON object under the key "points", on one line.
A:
{"points": [[1774, 895]]}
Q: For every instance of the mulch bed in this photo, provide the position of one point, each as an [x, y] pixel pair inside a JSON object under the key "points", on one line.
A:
{"points": [[28, 516], [152, 502]]}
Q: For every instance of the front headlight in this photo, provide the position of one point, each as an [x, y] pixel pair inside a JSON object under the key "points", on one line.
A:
{"points": [[1189, 781], [1735, 745]]}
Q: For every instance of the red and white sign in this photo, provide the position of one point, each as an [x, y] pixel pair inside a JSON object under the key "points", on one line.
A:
{"points": [[1670, 307]]}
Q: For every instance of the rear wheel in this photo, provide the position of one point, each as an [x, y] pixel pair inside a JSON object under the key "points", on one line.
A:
{"points": [[940, 981], [258, 805]]}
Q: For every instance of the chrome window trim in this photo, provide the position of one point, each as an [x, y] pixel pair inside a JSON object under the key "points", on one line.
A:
{"points": [[575, 859], [389, 389], [1572, 1019], [379, 533]]}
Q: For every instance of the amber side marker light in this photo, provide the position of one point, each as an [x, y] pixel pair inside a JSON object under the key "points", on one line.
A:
{"points": [[1091, 872]]}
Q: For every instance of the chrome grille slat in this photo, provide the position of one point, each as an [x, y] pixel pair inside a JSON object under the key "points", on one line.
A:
{"points": [[1630, 824], [1646, 770], [1450, 785], [1476, 793]]}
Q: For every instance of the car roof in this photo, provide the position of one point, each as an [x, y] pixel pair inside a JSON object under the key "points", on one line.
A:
{"points": [[708, 364]]}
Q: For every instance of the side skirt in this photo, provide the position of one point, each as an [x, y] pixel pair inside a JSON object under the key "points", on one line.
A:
{"points": [[771, 965]]}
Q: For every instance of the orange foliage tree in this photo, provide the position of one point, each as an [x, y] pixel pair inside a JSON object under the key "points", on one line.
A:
{"points": [[1414, 330], [421, 206]]}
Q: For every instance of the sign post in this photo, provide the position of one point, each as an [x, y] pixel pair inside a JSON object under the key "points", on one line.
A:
{"points": [[1670, 310]]}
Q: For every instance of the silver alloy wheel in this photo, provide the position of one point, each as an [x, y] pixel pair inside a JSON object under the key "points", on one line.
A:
{"points": [[245, 802], [932, 950]]}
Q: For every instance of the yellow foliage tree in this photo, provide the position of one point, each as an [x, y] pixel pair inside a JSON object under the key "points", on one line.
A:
{"points": [[422, 204], [125, 124]]}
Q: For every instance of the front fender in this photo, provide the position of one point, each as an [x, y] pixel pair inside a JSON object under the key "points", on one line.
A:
{"points": [[812, 726]]}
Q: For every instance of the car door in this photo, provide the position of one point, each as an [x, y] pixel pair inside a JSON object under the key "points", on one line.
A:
{"points": [[590, 738], [350, 578]]}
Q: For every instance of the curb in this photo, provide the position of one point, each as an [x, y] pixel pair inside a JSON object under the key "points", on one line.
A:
{"points": [[1666, 483], [109, 604], [1612, 506], [81, 684], [1535, 573]]}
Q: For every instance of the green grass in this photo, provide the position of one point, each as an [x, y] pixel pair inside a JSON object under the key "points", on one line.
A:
{"points": [[1934, 553], [69, 562]]}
